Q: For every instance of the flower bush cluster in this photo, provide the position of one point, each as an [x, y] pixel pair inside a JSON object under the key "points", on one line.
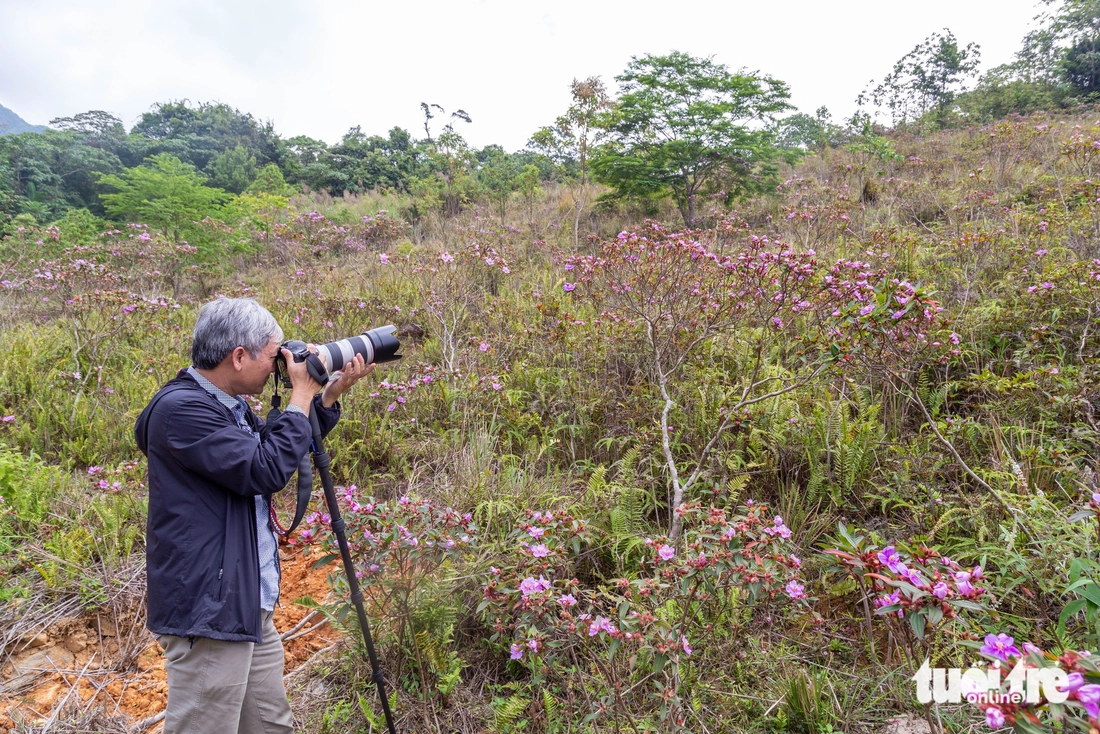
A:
{"points": [[1021, 699], [916, 584], [641, 627]]}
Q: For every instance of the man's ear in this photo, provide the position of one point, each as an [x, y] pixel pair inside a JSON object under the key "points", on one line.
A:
{"points": [[238, 354]]}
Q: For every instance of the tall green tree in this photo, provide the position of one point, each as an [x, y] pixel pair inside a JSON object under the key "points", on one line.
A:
{"points": [[927, 79], [233, 169], [197, 134], [687, 127], [56, 170], [164, 192], [570, 140]]}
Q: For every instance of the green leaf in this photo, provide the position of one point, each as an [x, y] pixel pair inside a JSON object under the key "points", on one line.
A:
{"points": [[1068, 611], [613, 648], [1092, 593], [966, 604], [917, 621]]}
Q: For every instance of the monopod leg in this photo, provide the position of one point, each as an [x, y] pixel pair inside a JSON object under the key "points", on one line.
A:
{"points": [[321, 462]]}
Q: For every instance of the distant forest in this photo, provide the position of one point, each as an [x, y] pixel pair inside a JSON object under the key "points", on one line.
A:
{"points": [[643, 143]]}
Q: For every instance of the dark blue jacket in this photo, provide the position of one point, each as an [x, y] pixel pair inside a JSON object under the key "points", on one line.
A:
{"points": [[204, 473]]}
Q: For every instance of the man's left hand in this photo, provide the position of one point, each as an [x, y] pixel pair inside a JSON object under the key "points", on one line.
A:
{"points": [[342, 381]]}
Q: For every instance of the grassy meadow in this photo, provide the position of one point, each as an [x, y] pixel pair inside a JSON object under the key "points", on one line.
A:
{"points": [[630, 482]]}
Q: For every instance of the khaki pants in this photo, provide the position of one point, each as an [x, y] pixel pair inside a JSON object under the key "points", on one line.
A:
{"points": [[218, 687]]}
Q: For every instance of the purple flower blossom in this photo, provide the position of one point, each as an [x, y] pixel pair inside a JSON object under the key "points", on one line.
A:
{"points": [[1002, 646], [567, 600], [531, 585], [484, 347], [684, 644], [867, 309], [601, 623], [994, 718], [940, 591], [535, 532], [795, 590], [962, 582], [1089, 697], [539, 551], [517, 651], [569, 286], [1073, 682], [384, 258], [666, 552]]}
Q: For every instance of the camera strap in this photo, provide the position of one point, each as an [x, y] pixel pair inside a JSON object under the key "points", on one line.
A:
{"points": [[305, 483]]}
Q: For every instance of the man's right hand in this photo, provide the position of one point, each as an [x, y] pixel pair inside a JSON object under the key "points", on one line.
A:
{"points": [[302, 385]]}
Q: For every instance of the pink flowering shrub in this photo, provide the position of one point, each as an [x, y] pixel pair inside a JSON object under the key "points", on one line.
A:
{"points": [[1007, 703], [401, 548], [918, 585], [638, 631], [666, 293]]}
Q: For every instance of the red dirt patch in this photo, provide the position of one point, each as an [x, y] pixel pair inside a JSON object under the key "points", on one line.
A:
{"points": [[74, 657]]}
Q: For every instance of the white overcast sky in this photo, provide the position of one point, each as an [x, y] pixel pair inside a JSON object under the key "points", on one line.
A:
{"points": [[319, 67]]}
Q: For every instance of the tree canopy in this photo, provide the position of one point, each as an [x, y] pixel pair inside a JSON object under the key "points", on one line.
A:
{"points": [[164, 192], [686, 127]]}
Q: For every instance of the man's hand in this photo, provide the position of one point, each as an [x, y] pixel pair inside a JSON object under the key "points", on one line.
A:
{"points": [[302, 385], [341, 381]]}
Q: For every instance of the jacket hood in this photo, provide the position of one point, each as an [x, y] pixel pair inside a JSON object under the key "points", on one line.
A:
{"points": [[182, 381]]}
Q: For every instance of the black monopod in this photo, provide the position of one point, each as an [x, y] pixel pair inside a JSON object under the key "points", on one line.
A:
{"points": [[377, 345], [321, 461]]}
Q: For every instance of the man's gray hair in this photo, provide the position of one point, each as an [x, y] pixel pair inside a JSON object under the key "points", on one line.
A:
{"points": [[228, 323]]}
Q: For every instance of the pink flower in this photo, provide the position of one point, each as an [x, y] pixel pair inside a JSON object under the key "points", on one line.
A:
{"points": [[666, 552], [484, 347], [517, 651], [569, 287], [384, 258], [531, 585], [95, 469], [867, 309], [940, 591], [994, 718], [795, 590], [535, 532], [447, 257], [1089, 697], [567, 600], [539, 551], [684, 644], [1002, 646]]}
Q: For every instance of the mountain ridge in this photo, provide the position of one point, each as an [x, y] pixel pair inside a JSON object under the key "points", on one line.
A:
{"points": [[13, 124]]}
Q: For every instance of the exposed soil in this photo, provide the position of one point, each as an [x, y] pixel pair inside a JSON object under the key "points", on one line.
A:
{"points": [[86, 658]]}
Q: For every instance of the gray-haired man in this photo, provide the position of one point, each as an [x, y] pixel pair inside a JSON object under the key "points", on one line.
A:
{"points": [[211, 555]]}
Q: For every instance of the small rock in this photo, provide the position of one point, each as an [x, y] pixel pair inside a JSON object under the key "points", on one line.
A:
{"points": [[76, 643], [907, 725], [39, 640], [26, 668]]}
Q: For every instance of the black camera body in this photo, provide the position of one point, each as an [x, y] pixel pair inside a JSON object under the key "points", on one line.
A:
{"points": [[375, 346]]}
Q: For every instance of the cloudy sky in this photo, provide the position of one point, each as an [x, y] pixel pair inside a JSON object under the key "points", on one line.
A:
{"points": [[318, 67]]}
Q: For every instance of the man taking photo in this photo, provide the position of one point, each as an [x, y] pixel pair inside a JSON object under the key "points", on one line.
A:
{"points": [[211, 554]]}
